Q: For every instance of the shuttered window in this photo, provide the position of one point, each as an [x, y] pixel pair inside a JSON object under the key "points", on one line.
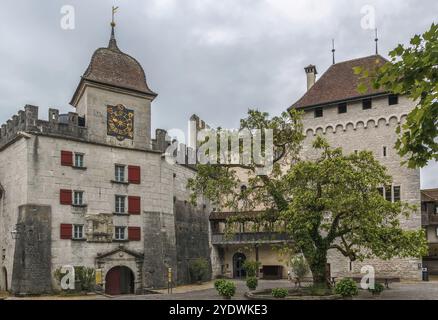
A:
{"points": [[67, 158], [134, 174], [134, 205], [65, 197], [134, 234], [66, 231]]}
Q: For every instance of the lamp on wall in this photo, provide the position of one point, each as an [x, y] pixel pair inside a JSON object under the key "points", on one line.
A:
{"points": [[16, 231]]}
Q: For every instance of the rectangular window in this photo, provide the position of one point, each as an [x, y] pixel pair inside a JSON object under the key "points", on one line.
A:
{"points": [[78, 232], [319, 112], [380, 190], [392, 99], [342, 108], [120, 233], [120, 173], [396, 191], [367, 104], [388, 193], [120, 204], [78, 198], [79, 160], [385, 151]]}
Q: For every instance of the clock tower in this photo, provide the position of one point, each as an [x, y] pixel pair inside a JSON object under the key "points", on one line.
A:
{"points": [[114, 98]]}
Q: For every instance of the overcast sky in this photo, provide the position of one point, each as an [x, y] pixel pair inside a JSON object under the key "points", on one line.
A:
{"points": [[215, 58]]}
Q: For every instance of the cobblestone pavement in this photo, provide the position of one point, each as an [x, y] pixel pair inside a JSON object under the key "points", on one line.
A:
{"points": [[397, 291]]}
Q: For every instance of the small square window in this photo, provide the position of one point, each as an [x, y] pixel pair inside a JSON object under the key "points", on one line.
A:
{"points": [[120, 204], [78, 232], [392, 99], [78, 198], [79, 160], [319, 113], [342, 108], [120, 233], [120, 173], [367, 104]]}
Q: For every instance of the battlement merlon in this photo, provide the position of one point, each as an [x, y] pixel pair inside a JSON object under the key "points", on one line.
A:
{"points": [[68, 125]]}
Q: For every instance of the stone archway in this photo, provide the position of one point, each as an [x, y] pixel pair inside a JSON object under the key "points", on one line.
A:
{"points": [[238, 261], [4, 280], [120, 280]]}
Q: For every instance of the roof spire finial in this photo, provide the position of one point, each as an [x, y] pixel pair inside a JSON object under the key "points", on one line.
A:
{"points": [[333, 50], [113, 43], [377, 42]]}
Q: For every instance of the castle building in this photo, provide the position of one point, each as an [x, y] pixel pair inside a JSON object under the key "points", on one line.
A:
{"points": [[335, 110], [91, 188]]}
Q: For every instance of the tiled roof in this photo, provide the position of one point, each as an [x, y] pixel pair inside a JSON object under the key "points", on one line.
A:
{"points": [[110, 66], [339, 83], [429, 195]]}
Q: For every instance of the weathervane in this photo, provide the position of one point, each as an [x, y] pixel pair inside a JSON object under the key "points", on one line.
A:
{"points": [[377, 43], [114, 11], [333, 50]]}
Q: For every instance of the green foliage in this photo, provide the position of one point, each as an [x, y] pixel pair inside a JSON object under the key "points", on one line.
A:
{"points": [[299, 267], [251, 268], [252, 283], [280, 293], [84, 278], [198, 269], [226, 288], [413, 72], [219, 283], [346, 287], [378, 289]]}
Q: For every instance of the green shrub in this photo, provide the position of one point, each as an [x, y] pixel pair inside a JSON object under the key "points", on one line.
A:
{"points": [[378, 289], [346, 287], [280, 293], [226, 289], [251, 268], [198, 270], [252, 283], [218, 283]]}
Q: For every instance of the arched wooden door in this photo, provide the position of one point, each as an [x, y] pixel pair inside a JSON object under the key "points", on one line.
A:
{"points": [[238, 261], [119, 280]]}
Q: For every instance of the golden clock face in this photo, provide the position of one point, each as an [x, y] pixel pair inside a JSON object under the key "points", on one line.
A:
{"points": [[120, 122]]}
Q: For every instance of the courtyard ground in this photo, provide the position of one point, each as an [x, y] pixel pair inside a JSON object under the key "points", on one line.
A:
{"points": [[206, 291]]}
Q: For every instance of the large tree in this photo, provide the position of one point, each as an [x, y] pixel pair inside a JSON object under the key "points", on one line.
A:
{"points": [[413, 72], [329, 203]]}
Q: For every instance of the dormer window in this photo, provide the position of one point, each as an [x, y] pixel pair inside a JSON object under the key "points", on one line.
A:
{"points": [[367, 104], [319, 113]]}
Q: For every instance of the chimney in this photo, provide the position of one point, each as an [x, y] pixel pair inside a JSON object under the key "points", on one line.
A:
{"points": [[311, 76]]}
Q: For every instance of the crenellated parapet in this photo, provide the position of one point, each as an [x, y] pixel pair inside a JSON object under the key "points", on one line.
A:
{"points": [[26, 121]]}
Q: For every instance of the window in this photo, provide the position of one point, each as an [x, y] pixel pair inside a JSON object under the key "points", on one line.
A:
{"points": [[380, 190], [342, 108], [79, 160], [120, 173], [120, 233], [367, 104], [396, 190], [385, 151], [388, 193], [319, 112], [78, 232], [120, 204], [436, 209], [392, 99], [78, 198]]}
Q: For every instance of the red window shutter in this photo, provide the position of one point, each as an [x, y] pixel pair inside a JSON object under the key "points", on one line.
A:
{"points": [[67, 158], [134, 174], [134, 205], [134, 234], [65, 197], [66, 231]]}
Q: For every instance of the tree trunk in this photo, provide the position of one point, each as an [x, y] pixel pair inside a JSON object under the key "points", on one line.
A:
{"points": [[318, 267]]}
